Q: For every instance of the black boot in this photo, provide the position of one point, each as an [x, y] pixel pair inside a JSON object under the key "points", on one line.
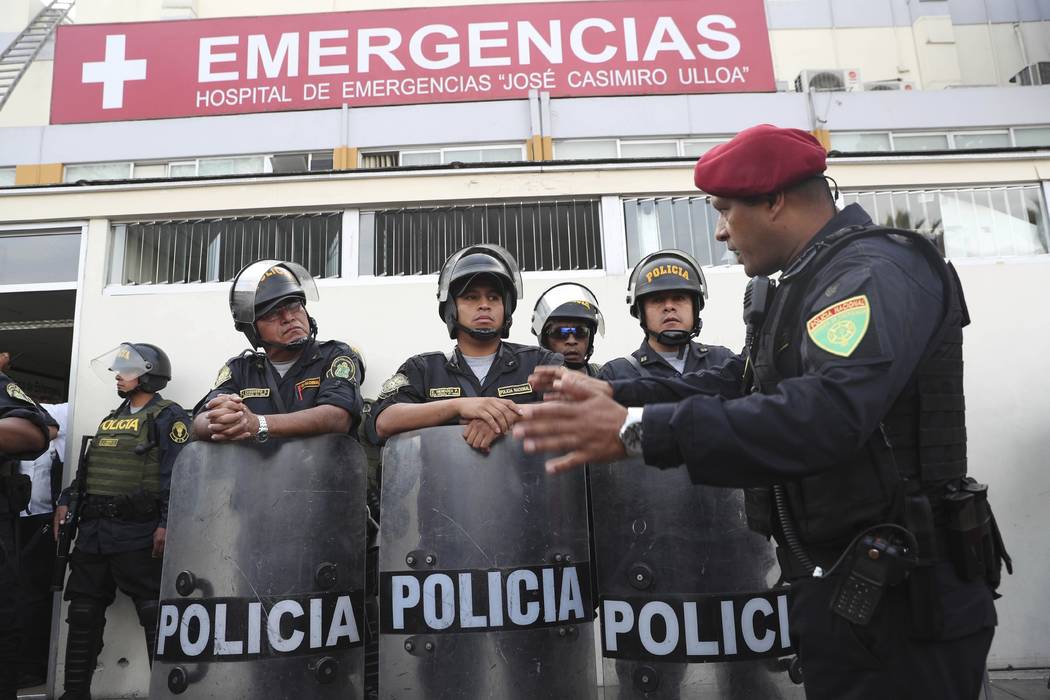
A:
{"points": [[87, 621], [148, 611]]}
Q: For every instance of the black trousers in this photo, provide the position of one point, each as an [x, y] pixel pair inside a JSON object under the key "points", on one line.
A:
{"points": [[98, 576], [9, 637], [843, 661], [36, 564]]}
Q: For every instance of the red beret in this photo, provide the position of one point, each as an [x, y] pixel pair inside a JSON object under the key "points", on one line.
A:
{"points": [[760, 160]]}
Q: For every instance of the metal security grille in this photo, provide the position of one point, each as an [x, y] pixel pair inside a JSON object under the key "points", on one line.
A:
{"points": [[213, 250], [966, 222], [551, 235], [685, 223]]}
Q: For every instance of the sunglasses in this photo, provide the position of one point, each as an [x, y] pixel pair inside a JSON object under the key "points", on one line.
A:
{"points": [[563, 332], [291, 307]]}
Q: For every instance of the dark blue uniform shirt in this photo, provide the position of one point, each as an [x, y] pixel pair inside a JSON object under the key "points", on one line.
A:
{"points": [[14, 403], [435, 376], [698, 358], [810, 422], [326, 374]]}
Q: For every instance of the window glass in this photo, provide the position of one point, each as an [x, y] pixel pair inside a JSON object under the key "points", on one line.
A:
{"points": [[96, 171], [651, 149], [1037, 136], [685, 223], [482, 155], [860, 142], [698, 147], [1000, 139], [584, 150], [7, 177], [920, 142], [421, 158], [38, 257], [182, 169], [231, 166], [149, 170]]}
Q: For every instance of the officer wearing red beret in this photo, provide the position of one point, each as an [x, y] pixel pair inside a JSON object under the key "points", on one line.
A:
{"points": [[843, 419]]}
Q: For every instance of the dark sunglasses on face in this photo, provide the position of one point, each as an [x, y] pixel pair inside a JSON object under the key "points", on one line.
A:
{"points": [[563, 332], [291, 307]]}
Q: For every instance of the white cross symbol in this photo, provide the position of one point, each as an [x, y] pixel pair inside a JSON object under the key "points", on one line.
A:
{"points": [[113, 71]]}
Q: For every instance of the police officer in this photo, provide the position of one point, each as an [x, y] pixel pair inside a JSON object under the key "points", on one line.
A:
{"points": [[847, 420], [296, 386], [480, 381], [565, 320], [25, 430], [124, 517], [666, 293]]}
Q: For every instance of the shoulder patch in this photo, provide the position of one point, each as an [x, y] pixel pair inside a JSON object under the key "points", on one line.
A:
{"points": [[223, 376], [839, 328], [342, 367], [179, 433], [15, 392], [390, 386]]}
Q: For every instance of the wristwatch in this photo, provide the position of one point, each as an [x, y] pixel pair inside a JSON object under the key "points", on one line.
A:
{"points": [[264, 432], [631, 431]]}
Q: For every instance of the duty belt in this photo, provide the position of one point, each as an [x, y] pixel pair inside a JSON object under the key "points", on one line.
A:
{"points": [[110, 507], [826, 557]]}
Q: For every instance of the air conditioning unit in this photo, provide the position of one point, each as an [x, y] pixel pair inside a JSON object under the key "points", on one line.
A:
{"points": [[872, 85], [829, 80]]}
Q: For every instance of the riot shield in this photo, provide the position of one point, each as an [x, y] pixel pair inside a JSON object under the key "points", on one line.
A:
{"points": [[263, 583], [483, 573], [686, 609]]}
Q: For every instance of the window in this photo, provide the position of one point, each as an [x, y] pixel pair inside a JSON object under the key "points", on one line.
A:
{"points": [[860, 142], [7, 177], [1032, 136], [485, 154], [546, 235], [920, 142], [981, 139], [380, 159], [648, 149], [694, 148], [586, 150], [685, 223], [96, 171], [28, 257], [301, 162], [966, 222], [1035, 74], [421, 158], [213, 250], [241, 165]]}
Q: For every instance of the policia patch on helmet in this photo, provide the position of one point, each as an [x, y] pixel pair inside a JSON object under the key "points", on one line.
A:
{"points": [[839, 328], [179, 433], [342, 367], [390, 386], [15, 392], [223, 377]]}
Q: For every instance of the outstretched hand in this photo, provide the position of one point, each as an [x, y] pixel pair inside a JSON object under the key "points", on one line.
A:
{"points": [[553, 382], [583, 425]]}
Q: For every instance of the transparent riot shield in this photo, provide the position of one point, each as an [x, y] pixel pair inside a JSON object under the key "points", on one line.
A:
{"points": [[685, 607], [484, 580], [263, 583]]}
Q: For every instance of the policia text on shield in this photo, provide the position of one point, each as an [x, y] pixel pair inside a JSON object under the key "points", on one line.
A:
{"points": [[844, 420]]}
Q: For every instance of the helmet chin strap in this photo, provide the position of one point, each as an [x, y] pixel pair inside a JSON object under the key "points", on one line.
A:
{"points": [[480, 333], [295, 345], [673, 338]]}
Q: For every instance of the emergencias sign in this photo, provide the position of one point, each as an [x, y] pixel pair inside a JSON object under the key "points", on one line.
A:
{"points": [[151, 70]]}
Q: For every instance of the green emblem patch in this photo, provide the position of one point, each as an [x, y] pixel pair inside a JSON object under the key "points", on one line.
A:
{"points": [[390, 386], [342, 367], [839, 328], [15, 392], [224, 376]]}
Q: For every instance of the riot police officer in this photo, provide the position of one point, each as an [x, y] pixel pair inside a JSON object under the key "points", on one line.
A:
{"points": [[25, 430], [480, 381], [565, 320], [666, 293], [297, 386], [123, 518], [846, 416]]}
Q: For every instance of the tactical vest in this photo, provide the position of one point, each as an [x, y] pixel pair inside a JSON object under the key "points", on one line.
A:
{"points": [[114, 467], [919, 446]]}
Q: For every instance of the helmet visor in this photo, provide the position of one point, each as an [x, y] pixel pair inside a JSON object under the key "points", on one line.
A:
{"points": [[246, 286], [124, 360], [569, 294]]}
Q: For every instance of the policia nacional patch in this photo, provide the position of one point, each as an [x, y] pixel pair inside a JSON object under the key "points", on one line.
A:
{"points": [[839, 328], [342, 367]]}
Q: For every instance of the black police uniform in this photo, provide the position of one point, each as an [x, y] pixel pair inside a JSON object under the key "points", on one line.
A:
{"points": [[435, 376], [128, 476], [869, 433], [13, 404], [649, 363], [325, 374]]}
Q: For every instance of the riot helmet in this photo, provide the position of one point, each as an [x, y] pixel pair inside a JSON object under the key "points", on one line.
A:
{"points": [[144, 361], [568, 300], [667, 271], [262, 286], [462, 268]]}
